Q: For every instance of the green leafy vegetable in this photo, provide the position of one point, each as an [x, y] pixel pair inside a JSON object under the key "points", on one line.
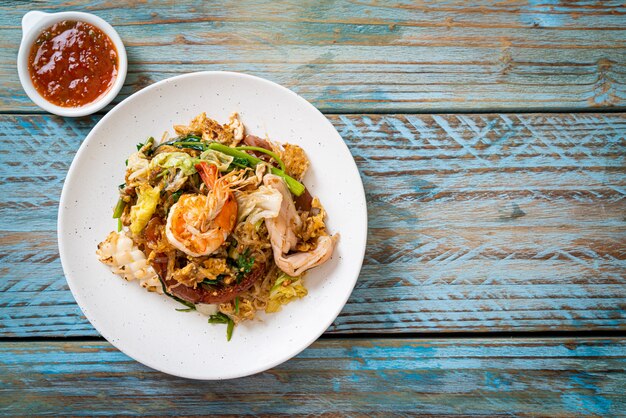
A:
{"points": [[119, 208], [241, 162], [213, 282], [197, 143], [218, 159], [229, 329], [180, 160], [189, 141], [285, 289], [146, 147], [280, 280], [235, 153], [219, 318], [176, 196], [294, 185], [265, 151], [171, 201], [244, 263], [237, 305]]}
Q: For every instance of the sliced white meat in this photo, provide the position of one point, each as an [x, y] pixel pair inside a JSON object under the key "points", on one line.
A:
{"points": [[282, 227], [283, 238], [297, 263]]}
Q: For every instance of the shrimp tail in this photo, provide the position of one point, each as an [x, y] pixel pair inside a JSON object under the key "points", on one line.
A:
{"points": [[208, 173]]}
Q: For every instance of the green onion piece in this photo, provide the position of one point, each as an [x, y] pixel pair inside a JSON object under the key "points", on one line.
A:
{"points": [[294, 185], [218, 318], [237, 305], [185, 310], [210, 282], [229, 329], [189, 141], [146, 147], [176, 195], [265, 151], [119, 208], [190, 144], [119, 224]]}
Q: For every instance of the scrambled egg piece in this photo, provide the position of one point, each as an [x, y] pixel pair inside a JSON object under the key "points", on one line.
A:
{"points": [[210, 130], [192, 273], [213, 267], [295, 161], [187, 276], [312, 227]]}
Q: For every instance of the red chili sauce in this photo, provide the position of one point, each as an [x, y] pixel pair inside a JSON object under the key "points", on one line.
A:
{"points": [[72, 63]]}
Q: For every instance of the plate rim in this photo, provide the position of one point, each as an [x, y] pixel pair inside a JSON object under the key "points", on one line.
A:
{"points": [[61, 240]]}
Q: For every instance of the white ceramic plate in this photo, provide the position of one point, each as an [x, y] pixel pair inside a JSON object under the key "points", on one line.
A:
{"points": [[145, 325]]}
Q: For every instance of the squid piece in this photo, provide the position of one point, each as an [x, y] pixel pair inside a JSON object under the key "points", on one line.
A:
{"points": [[283, 238]]}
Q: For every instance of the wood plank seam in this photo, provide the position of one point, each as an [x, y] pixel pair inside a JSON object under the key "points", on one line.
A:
{"points": [[478, 222], [374, 377]]}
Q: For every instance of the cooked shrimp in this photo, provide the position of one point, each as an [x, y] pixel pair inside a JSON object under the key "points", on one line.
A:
{"points": [[283, 238], [197, 224]]}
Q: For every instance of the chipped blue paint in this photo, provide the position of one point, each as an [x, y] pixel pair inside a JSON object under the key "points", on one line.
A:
{"points": [[472, 376], [538, 16], [354, 57], [586, 404]]}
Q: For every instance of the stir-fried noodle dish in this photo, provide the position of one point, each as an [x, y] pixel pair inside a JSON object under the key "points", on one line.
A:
{"points": [[219, 220]]}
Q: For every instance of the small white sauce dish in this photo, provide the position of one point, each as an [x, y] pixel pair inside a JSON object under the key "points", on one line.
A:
{"points": [[33, 23]]}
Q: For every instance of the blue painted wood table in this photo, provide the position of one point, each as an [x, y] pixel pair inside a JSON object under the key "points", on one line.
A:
{"points": [[492, 147]]}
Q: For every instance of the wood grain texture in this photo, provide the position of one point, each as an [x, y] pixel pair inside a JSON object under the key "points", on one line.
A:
{"points": [[476, 223], [369, 56], [562, 377]]}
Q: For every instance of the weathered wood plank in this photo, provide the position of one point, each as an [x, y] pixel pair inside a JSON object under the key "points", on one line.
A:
{"points": [[518, 377], [477, 223], [369, 56]]}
